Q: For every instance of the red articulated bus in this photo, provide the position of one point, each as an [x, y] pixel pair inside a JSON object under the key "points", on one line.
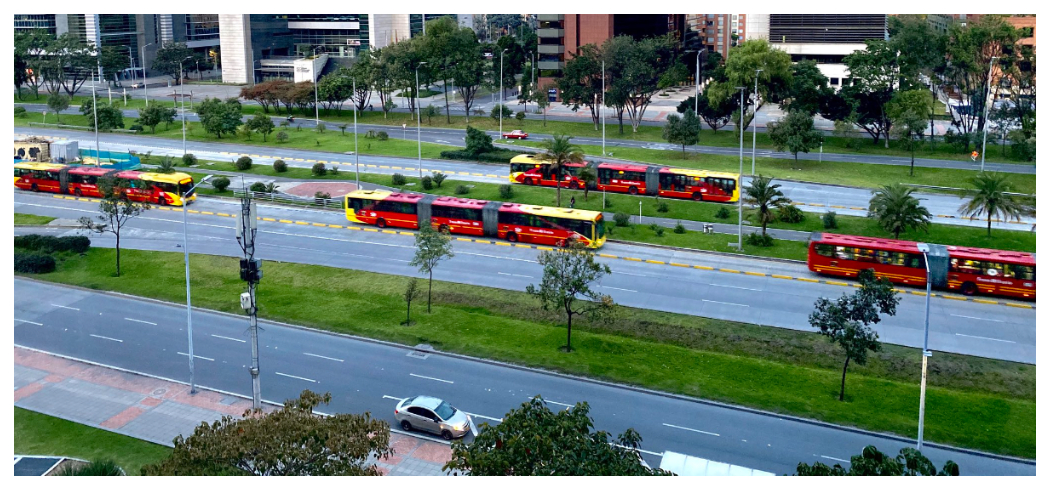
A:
{"points": [[529, 170], [964, 269], [83, 181]]}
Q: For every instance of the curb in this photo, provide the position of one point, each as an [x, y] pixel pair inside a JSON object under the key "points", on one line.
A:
{"points": [[610, 384]]}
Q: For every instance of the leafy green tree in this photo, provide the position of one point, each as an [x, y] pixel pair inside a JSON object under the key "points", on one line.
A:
{"points": [[412, 292], [31, 49], [261, 124], [115, 209], [113, 60], [872, 462], [581, 82], [467, 67], [429, 112], [169, 57], [876, 78], [589, 177], [155, 114], [432, 246], [109, 117], [568, 276], [897, 210], [69, 63], [540, 98], [534, 440], [682, 130], [558, 151], [740, 67], [21, 69], [990, 196], [794, 133], [765, 196], [970, 49], [58, 103], [478, 142], [634, 71], [716, 115], [921, 52], [846, 321], [908, 111], [500, 109], [219, 117], [809, 87], [292, 441], [334, 89]]}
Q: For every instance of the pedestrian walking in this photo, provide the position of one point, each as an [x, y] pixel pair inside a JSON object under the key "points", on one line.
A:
{"points": [[572, 202]]}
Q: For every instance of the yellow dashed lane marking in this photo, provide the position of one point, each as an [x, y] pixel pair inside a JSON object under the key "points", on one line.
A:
{"points": [[301, 223], [703, 267], [632, 259], [545, 248], [660, 262], [987, 302], [335, 226], [779, 276], [755, 273], [390, 232], [521, 246], [676, 264], [502, 244], [837, 283], [208, 212], [466, 240], [1016, 305], [957, 298], [284, 221], [805, 279], [268, 219], [733, 271], [319, 224]]}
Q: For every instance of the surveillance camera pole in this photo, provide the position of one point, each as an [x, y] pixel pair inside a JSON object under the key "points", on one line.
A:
{"points": [[246, 231]]}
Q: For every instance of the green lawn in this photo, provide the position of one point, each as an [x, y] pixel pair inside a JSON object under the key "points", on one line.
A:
{"points": [[32, 219], [972, 402], [39, 434]]}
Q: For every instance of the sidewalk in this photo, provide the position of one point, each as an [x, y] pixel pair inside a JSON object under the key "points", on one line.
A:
{"points": [[157, 410]]}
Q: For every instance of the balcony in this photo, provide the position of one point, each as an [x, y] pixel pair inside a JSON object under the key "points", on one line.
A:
{"points": [[549, 17], [551, 49], [550, 65], [550, 33]]}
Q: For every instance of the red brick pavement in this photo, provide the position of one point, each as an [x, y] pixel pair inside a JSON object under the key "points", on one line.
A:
{"points": [[309, 189]]}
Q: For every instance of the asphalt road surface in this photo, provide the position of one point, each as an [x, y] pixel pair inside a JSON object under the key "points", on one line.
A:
{"points": [[148, 337], [320, 237], [849, 201]]}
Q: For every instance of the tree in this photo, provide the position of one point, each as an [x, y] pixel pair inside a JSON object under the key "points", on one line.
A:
{"points": [[113, 60], [411, 293], [794, 133], [155, 114], [876, 77], [261, 124], [432, 247], [58, 103], [69, 63], [990, 196], [908, 113], [467, 67], [588, 176], [115, 209], [637, 75], [478, 142], [108, 117], [558, 151], [534, 440], [292, 441], [170, 58], [872, 462], [809, 87], [566, 286], [716, 115], [581, 81], [219, 117], [429, 112], [498, 110], [969, 51], [336, 88], [897, 210], [540, 98], [31, 47], [762, 194], [921, 49], [682, 130], [846, 321], [740, 67]]}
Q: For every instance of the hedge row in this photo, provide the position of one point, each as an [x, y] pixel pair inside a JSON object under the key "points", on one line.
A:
{"points": [[50, 244], [34, 263], [498, 156]]}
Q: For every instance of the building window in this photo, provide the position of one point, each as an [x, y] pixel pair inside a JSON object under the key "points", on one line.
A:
{"points": [[200, 27], [834, 81]]}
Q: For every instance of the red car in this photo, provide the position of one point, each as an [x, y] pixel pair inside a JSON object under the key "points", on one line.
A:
{"points": [[516, 134]]}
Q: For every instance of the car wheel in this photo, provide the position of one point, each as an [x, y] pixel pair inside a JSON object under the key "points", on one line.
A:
{"points": [[969, 288], [512, 237], [406, 426], [446, 435], [633, 190], [381, 223]]}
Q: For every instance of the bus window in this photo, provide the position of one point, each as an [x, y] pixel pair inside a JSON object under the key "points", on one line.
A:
{"points": [[604, 176], [599, 228], [1022, 272], [824, 249]]}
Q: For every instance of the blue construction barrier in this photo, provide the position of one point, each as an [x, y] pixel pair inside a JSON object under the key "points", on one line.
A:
{"points": [[111, 159]]}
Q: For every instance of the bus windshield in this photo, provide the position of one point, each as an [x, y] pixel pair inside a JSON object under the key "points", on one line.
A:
{"points": [[599, 228], [185, 186]]}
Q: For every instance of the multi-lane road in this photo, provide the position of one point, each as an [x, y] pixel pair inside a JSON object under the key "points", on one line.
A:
{"points": [[148, 337], [717, 286]]}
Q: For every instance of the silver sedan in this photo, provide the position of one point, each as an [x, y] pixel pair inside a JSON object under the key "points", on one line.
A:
{"points": [[432, 415]]}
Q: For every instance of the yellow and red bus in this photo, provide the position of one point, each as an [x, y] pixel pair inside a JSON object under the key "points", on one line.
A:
{"points": [[82, 180], [528, 170], [510, 221]]}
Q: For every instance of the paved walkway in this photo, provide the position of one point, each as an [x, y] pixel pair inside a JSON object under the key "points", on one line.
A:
{"points": [[157, 410]]}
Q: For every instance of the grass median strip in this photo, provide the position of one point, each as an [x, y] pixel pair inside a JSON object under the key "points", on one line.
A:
{"points": [[972, 402], [32, 219]]}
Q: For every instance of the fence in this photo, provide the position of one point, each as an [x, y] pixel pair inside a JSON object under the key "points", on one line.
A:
{"points": [[281, 198]]}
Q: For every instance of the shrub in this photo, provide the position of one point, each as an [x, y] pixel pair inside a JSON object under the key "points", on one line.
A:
{"points": [[506, 191], [243, 163], [722, 213], [427, 182], [520, 116], [961, 141], [279, 166], [382, 136], [830, 221], [321, 127], [662, 207], [258, 187], [281, 137], [398, 179], [654, 226], [334, 170], [318, 169], [322, 195], [189, 159], [136, 128], [495, 156], [500, 109], [285, 123], [1022, 148], [790, 214], [75, 244], [462, 189], [622, 219], [439, 178], [758, 239], [49, 244], [679, 229], [20, 112], [34, 263], [220, 184], [659, 230], [477, 141]]}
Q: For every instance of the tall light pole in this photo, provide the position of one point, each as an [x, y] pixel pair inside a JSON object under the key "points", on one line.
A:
{"points": [[696, 100], [357, 159], [317, 109], [143, 60], [131, 63], [182, 88], [501, 92], [754, 123], [419, 122], [740, 178], [925, 249], [94, 107], [189, 307], [987, 105], [602, 109]]}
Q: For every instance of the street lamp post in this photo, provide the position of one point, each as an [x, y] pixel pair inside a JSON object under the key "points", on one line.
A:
{"points": [[189, 307], [131, 63], [419, 122], [317, 109], [925, 249], [987, 105], [143, 60], [696, 100], [501, 93], [754, 123], [357, 159], [740, 202], [94, 108], [602, 109], [182, 89]]}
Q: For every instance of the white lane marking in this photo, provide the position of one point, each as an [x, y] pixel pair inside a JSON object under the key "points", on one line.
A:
{"points": [[558, 403], [296, 377], [428, 377], [66, 307], [494, 256], [724, 303], [619, 289], [322, 357], [694, 430], [482, 416], [394, 398], [106, 338], [631, 274], [835, 459], [228, 338], [27, 321], [515, 275], [140, 321], [734, 287], [195, 355], [985, 338], [977, 318], [636, 449]]}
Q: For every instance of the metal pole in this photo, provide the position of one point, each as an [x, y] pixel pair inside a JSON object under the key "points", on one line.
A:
{"points": [[94, 107], [189, 304], [925, 343], [131, 62], [602, 108], [317, 109], [501, 93], [144, 94], [419, 122], [987, 94], [182, 88], [696, 100], [754, 124], [740, 202], [357, 159]]}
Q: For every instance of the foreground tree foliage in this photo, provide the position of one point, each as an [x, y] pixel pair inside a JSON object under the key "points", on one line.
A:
{"points": [[872, 462], [292, 441], [533, 440]]}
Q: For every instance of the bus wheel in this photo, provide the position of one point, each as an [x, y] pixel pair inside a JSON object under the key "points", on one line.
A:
{"points": [[443, 229], [77, 192], [381, 223], [633, 190], [528, 180], [512, 237], [33, 188], [969, 288], [161, 201], [698, 196]]}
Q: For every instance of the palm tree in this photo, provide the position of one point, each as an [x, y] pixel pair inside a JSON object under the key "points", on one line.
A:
{"points": [[559, 151], [991, 197], [897, 210], [764, 195]]}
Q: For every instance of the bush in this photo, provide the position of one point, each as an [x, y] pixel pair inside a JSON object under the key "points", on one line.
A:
{"points": [[427, 182], [462, 189], [75, 244], [320, 127], [722, 213], [439, 178], [662, 207], [281, 137], [495, 156], [622, 219], [322, 195], [498, 109], [520, 116], [398, 180], [285, 123], [243, 163], [189, 159], [679, 229], [34, 263], [136, 128], [790, 214], [334, 170], [318, 169], [506, 191], [829, 220], [49, 244], [382, 136], [1022, 148], [220, 184], [659, 230], [279, 166], [20, 112], [477, 142], [758, 239], [258, 187]]}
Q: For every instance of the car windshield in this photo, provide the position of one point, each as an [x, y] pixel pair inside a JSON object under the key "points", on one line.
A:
{"points": [[445, 411]]}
